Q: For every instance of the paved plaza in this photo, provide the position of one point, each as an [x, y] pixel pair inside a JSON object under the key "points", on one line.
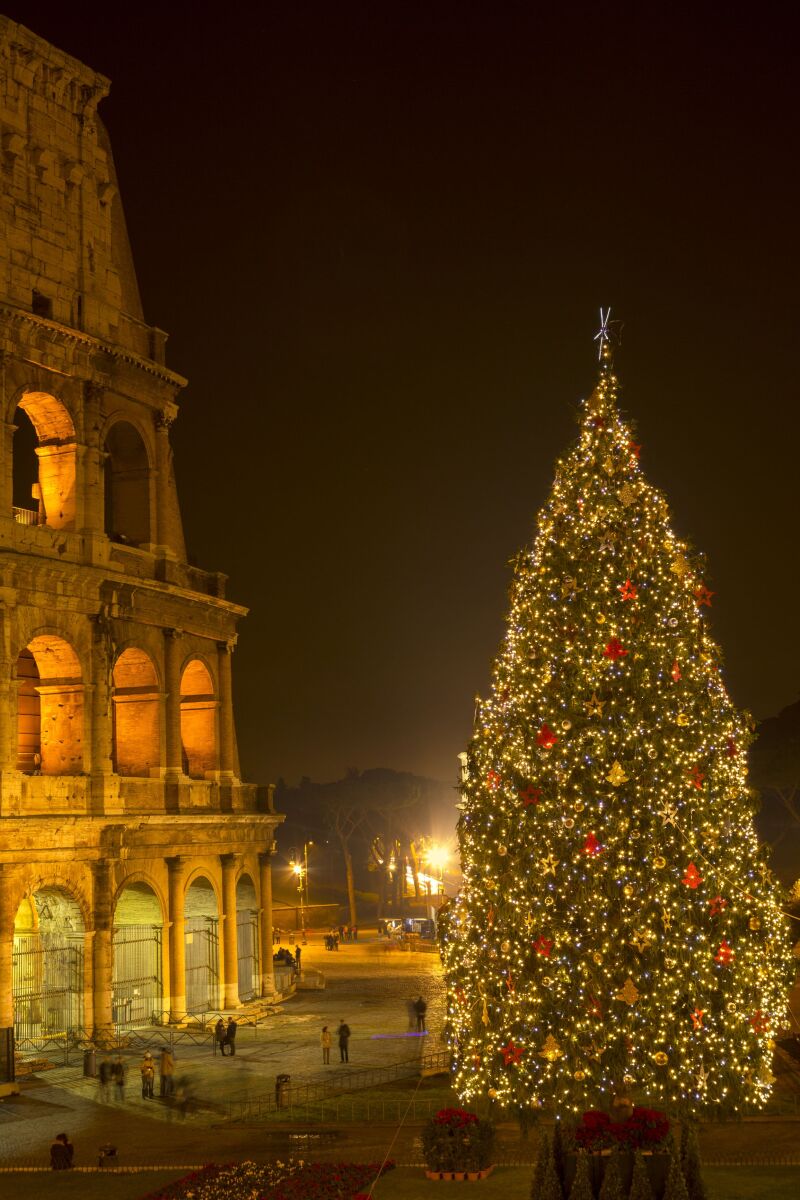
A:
{"points": [[368, 984]]}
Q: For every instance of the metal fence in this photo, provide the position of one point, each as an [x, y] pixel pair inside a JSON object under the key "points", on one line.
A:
{"points": [[47, 982], [202, 963], [247, 946], [256, 1108], [137, 984]]}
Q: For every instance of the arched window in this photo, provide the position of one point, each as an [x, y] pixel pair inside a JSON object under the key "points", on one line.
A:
{"points": [[137, 743], [44, 463], [47, 971], [50, 708], [137, 977], [198, 720], [127, 486]]}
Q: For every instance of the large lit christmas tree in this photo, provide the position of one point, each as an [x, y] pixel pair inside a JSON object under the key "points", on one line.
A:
{"points": [[618, 932]]}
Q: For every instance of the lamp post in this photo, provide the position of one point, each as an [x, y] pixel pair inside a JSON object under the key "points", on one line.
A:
{"points": [[300, 869]]}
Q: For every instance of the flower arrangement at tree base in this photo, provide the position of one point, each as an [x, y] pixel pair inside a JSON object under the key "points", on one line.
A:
{"points": [[457, 1144], [290, 1180]]}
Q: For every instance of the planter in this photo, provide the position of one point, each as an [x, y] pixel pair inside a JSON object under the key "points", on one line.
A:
{"points": [[459, 1176]]}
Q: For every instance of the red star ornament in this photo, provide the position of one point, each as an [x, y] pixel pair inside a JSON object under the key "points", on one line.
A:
{"points": [[543, 945], [703, 596], [592, 846], [717, 903], [697, 1018], [531, 795], [493, 781], [676, 671], [635, 449], [511, 1052], [510, 984], [759, 1021], [724, 955], [697, 776], [546, 738], [614, 650], [594, 1007], [732, 748], [628, 590], [692, 878], [460, 995]]}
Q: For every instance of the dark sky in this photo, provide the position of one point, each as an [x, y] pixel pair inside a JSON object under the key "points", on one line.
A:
{"points": [[378, 236]]}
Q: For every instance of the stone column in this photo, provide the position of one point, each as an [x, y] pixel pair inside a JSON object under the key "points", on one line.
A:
{"points": [[101, 737], [265, 924], [102, 953], [230, 943], [91, 462], [8, 911], [163, 421], [226, 754], [172, 687], [177, 938]]}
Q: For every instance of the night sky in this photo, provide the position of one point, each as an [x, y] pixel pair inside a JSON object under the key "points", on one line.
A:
{"points": [[378, 236]]}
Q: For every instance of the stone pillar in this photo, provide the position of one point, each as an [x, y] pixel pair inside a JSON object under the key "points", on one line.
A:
{"points": [[226, 752], [8, 911], [265, 924], [91, 462], [177, 938], [100, 762], [172, 687], [102, 953], [230, 943], [163, 421]]}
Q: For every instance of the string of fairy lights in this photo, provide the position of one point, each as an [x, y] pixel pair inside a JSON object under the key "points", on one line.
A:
{"points": [[617, 930]]}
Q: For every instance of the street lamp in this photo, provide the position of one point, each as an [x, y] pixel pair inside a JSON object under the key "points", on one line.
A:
{"points": [[300, 870]]}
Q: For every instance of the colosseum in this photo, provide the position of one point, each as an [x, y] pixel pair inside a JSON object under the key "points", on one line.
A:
{"points": [[135, 882]]}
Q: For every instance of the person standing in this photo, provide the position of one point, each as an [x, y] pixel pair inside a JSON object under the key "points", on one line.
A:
{"points": [[62, 1152], [344, 1040], [166, 1069], [148, 1073], [230, 1035], [219, 1034], [118, 1076], [421, 1009], [355, 933], [297, 954], [104, 1078], [326, 1045]]}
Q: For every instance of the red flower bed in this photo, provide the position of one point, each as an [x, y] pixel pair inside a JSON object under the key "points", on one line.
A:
{"points": [[644, 1128], [328, 1181], [455, 1116]]}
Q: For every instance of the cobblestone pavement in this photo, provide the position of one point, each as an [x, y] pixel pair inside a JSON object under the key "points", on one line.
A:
{"points": [[367, 984]]}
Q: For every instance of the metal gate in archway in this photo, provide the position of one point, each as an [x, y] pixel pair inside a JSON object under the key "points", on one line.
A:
{"points": [[202, 964], [137, 985], [47, 982], [247, 946]]}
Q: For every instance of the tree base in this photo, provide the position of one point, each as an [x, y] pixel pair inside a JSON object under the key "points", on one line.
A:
{"points": [[459, 1176]]}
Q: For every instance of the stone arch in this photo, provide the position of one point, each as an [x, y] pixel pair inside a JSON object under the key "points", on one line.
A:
{"points": [[45, 466], [136, 713], [126, 483], [49, 707], [202, 909], [48, 961], [137, 978], [247, 937], [198, 719]]}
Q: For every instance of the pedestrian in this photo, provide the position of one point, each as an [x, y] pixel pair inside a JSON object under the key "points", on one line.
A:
{"points": [[148, 1073], [219, 1034], [355, 933], [336, 941], [411, 1006], [297, 953], [104, 1078], [230, 1035], [341, 933], [62, 1152], [166, 1069], [118, 1076], [326, 1045], [344, 1038], [421, 1008]]}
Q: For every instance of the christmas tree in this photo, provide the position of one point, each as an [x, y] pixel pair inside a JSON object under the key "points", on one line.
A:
{"points": [[618, 932]]}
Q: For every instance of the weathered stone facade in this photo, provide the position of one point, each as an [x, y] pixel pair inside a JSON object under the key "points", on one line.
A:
{"points": [[127, 838]]}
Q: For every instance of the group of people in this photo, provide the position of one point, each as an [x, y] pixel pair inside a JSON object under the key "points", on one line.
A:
{"points": [[326, 1039], [225, 1035], [113, 1073], [285, 956], [340, 933]]}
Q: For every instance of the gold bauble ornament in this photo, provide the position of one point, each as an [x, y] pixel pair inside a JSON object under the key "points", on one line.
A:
{"points": [[731, 1007], [597, 956], [502, 851], [505, 947], [492, 1093], [579, 806], [660, 1058], [681, 719], [629, 890], [547, 981], [579, 1076], [659, 862], [566, 724], [568, 824], [754, 922]]}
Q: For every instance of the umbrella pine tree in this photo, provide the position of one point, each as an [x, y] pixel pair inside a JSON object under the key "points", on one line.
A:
{"points": [[618, 931]]}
